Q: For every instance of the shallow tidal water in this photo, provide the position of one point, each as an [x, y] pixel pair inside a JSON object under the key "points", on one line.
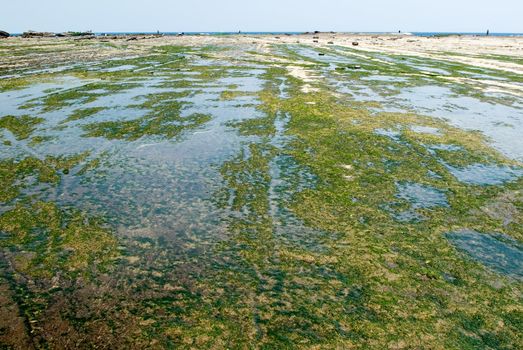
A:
{"points": [[207, 197]]}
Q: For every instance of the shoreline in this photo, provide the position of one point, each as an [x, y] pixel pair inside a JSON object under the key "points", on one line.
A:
{"points": [[289, 33], [496, 52]]}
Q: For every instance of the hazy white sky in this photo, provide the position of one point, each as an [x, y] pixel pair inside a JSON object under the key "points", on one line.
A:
{"points": [[266, 15]]}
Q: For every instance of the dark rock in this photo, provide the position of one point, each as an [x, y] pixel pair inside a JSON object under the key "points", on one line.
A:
{"points": [[84, 37], [355, 43], [31, 34], [331, 43], [321, 54], [4, 34], [132, 38], [89, 33]]}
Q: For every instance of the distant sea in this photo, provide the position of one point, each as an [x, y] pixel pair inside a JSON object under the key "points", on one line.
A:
{"points": [[421, 34], [428, 34]]}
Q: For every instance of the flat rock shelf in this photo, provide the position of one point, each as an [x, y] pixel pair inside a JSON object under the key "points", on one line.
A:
{"points": [[261, 192]]}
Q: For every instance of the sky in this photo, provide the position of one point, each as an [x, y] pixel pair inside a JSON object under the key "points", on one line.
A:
{"points": [[267, 15]]}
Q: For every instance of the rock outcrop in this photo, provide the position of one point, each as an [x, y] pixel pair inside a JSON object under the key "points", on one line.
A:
{"points": [[32, 34]]}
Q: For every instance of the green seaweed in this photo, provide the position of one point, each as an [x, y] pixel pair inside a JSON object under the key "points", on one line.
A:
{"points": [[163, 119], [313, 254], [22, 127], [55, 240], [81, 95], [83, 113], [166, 126]]}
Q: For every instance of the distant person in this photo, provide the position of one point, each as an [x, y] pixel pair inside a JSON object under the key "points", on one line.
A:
{"points": [[488, 32]]}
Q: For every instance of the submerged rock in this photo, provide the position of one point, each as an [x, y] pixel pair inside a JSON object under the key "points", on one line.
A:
{"points": [[498, 252], [485, 174], [421, 196]]}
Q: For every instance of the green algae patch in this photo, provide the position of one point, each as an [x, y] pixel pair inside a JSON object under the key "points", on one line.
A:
{"points": [[77, 96], [83, 113], [168, 126], [257, 126], [378, 280], [36, 140], [22, 82], [163, 119], [231, 95], [46, 248], [56, 240], [21, 127], [16, 175]]}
